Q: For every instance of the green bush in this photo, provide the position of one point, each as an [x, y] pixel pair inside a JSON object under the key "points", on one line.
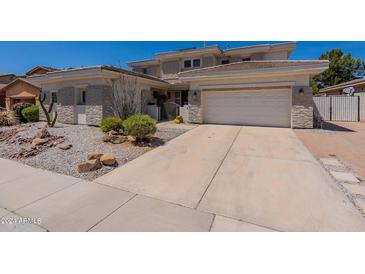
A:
{"points": [[31, 114], [111, 123], [140, 126], [7, 118]]}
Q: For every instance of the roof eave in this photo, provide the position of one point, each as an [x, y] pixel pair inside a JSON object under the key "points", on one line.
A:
{"points": [[263, 48], [177, 54], [90, 72], [304, 70], [151, 62]]}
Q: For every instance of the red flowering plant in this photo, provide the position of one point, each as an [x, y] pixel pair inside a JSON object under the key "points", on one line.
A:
{"points": [[18, 107]]}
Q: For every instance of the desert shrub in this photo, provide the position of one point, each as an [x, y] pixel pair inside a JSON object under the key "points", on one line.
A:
{"points": [[7, 118], [179, 120], [111, 123], [139, 126], [17, 108], [31, 114]]}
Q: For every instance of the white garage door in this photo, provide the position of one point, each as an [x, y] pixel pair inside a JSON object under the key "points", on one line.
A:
{"points": [[269, 107]]}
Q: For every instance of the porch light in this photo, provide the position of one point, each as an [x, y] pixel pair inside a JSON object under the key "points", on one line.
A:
{"points": [[195, 95], [301, 91]]}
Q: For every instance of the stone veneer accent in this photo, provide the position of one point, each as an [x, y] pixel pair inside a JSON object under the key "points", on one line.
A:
{"points": [[302, 108], [94, 104], [94, 114], [66, 114], [195, 111], [65, 105]]}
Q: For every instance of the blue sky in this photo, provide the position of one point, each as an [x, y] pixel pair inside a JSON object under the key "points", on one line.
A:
{"points": [[19, 57]]}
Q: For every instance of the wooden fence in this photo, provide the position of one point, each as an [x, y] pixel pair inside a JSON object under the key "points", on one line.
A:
{"points": [[337, 108]]}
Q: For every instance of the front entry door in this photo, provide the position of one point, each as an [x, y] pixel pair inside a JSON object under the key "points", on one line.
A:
{"points": [[81, 114]]}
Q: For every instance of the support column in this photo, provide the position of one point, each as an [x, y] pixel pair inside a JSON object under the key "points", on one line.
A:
{"points": [[302, 107], [195, 111], [7, 103]]}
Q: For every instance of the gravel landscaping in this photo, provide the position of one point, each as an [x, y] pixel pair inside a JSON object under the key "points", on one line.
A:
{"points": [[84, 140]]}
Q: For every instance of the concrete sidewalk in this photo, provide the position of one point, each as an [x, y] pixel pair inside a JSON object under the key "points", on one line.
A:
{"points": [[36, 200]]}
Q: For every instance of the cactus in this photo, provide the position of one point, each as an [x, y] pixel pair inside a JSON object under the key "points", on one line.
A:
{"points": [[50, 122]]}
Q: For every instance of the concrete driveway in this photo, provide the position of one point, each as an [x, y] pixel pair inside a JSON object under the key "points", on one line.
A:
{"points": [[248, 178], [344, 140]]}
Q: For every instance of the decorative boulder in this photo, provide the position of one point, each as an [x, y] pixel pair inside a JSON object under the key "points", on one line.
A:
{"points": [[64, 146], [114, 139], [39, 141], [119, 139], [43, 133], [89, 165], [106, 138], [94, 155], [108, 159]]}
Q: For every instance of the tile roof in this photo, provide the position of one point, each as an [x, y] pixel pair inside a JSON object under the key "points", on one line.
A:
{"points": [[104, 67]]}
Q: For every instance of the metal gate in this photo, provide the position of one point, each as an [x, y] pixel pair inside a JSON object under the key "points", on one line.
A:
{"points": [[170, 110], [337, 108]]}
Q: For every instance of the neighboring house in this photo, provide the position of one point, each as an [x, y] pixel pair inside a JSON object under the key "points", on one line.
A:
{"points": [[20, 90], [39, 70], [7, 78], [4, 80], [357, 84], [15, 89], [86, 95], [255, 85]]}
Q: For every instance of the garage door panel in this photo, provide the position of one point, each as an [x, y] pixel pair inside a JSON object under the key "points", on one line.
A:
{"points": [[261, 107]]}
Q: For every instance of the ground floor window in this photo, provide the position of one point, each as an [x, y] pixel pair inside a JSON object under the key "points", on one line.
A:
{"points": [[83, 97], [54, 96]]}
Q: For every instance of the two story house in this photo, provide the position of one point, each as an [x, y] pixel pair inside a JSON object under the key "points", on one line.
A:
{"points": [[253, 85], [168, 65]]}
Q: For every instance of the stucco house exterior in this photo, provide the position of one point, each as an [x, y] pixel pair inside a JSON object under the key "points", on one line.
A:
{"points": [[85, 95], [255, 85]]}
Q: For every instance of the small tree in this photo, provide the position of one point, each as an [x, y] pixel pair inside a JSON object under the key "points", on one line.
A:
{"points": [[50, 122], [342, 68], [126, 96]]}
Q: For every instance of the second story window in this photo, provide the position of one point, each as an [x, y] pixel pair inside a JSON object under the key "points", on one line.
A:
{"points": [[144, 70], [187, 64], [196, 63], [192, 63]]}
